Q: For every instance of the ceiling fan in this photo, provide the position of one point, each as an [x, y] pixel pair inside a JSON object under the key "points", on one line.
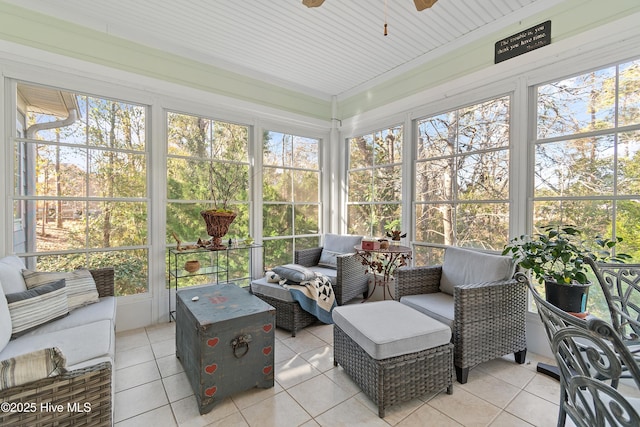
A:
{"points": [[420, 4]]}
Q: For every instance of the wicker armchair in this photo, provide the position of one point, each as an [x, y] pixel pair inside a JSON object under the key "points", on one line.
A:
{"points": [[90, 385], [592, 358], [487, 318], [350, 278]]}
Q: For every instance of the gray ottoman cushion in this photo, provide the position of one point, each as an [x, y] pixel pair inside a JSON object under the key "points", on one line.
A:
{"points": [[387, 329], [273, 290]]}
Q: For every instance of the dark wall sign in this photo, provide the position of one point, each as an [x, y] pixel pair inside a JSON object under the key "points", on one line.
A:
{"points": [[523, 42]]}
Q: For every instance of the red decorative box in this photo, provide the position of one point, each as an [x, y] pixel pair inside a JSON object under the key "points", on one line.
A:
{"points": [[370, 245]]}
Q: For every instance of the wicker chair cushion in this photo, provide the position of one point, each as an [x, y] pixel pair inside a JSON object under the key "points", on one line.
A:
{"points": [[387, 329], [5, 320], [273, 290], [437, 305], [341, 243], [336, 244], [331, 273], [11, 275], [463, 267]]}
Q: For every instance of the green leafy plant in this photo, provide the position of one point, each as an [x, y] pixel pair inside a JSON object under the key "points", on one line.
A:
{"points": [[557, 253]]}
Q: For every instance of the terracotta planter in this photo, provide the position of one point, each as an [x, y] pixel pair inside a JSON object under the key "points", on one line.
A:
{"points": [[217, 226], [570, 298], [192, 265]]}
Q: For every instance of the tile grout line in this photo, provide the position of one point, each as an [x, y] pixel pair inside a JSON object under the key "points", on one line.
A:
{"points": [[162, 336], [175, 418]]}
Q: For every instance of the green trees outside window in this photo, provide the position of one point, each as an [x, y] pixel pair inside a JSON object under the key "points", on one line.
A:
{"points": [[200, 151], [374, 194], [586, 169], [80, 196], [587, 160], [291, 182], [462, 179]]}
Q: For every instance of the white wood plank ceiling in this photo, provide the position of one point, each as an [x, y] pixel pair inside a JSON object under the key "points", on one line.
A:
{"points": [[336, 49]]}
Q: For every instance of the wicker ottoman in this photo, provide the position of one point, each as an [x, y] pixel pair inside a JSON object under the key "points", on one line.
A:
{"points": [[289, 314], [393, 352]]}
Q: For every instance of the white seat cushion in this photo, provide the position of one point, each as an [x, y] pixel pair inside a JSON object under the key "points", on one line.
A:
{"points": [[437, 305], [463, 267], [387, 329], [78, 344], [104, 309]]}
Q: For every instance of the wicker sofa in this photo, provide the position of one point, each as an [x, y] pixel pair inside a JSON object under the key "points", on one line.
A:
{"points": [[345, 270], [83, 393], [476, 295]]}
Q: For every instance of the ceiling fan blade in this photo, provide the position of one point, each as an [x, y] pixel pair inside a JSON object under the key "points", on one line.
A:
{"points": [[312, 3], [423, 4]]}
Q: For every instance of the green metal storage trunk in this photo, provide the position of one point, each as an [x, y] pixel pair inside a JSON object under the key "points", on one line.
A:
{"points": [[225, 341]]}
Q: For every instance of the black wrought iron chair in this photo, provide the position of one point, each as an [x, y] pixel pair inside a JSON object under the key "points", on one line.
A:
{"points": [[590, 356], [620, 285]]}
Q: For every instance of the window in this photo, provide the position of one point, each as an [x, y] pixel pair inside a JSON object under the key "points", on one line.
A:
{"points": [[587, 155], [291, 195], [462, 179], [203, 154], [374, 204], [80, 195]]}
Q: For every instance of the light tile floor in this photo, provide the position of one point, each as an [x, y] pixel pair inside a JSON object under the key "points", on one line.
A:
{"points": [[152, 390]]}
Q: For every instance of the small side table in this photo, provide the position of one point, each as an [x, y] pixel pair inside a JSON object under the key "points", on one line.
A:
{"points": [[382, 263]]}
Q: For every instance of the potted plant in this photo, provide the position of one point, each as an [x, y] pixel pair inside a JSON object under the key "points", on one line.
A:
{"points": [[555, 256], [225, 183]]}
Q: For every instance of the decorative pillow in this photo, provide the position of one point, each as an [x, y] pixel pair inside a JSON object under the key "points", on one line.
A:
{"points": [[5, 320], [39, 364], [272, 277], [463, 266], [294, 272], [32, 308], [11, 274], [328, 258], [81, 288], [337, 244]]}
